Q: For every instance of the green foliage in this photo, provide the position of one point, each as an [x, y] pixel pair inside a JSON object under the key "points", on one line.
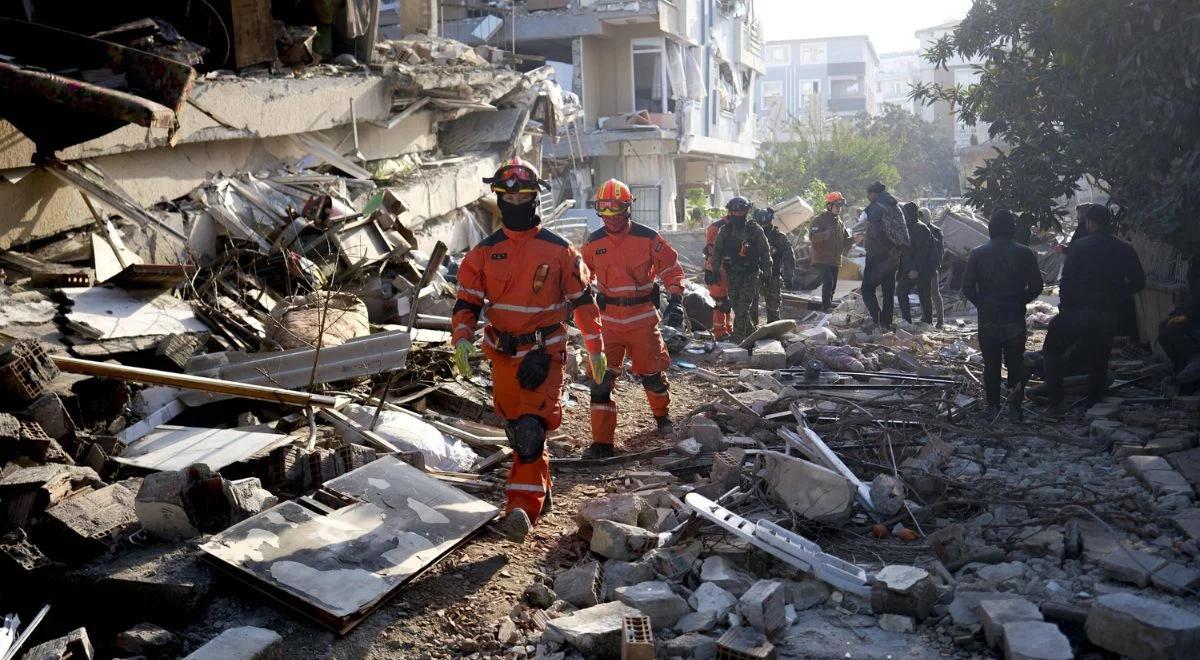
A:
{"points": [[896, 148], [1103, 89], [700, 213]]}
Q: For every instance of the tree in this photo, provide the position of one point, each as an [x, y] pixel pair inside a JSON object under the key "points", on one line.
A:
{"points": [[1103, 89], [925, 159]]}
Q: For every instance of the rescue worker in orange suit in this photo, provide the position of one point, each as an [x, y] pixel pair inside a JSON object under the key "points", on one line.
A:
{"points": [[714, 273], [525, 279], [626, 258]]}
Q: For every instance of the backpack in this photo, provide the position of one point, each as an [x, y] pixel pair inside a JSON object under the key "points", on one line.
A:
{"points": [[937, 246], [894, 226]]}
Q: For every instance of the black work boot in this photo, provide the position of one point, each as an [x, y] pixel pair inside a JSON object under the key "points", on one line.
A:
{"points": [[665, 425], [598, 450]]}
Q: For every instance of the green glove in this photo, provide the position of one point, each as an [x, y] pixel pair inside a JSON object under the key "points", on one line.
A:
{"points": [[464, 350], [599, 367]]}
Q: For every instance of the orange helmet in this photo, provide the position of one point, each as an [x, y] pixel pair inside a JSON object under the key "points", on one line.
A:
{"points": [[834, 197], [613, 198], [516, 175]]}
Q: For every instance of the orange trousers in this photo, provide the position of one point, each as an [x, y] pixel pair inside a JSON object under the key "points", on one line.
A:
{"points": [[646, 350], [528, 482], [722, 320]]}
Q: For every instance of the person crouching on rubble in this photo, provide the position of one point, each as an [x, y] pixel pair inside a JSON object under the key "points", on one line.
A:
{"points": [[527, 278], [1001, 278], [743, 252], [626, 258]]}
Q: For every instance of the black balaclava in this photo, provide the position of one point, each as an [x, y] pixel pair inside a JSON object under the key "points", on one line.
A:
{"points": [[739, 220], [518, 217]]}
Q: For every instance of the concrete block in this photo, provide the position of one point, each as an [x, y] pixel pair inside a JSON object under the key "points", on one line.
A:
{"points": [[88, 524], [1048, 543], [803, 594], [594, 631], [149, 640], [1176, 578], [673, 562], [1188, 522], [705, 431], [900, 589], [723, 573], [710, 598], [1132, 566], [160, 507], [1162, 444], [795, 353], [746, 642], [807, 489], [757, 400], [994, 614], [1158, 476], [897, 623], [696, 622], [887, 494], [618, 541], [733, 356], [579, 586], [74, 645], [768, 354], [965, 606], [242, 643], [1035, 640], [1142, 628], [656, 600], [763, 607], [48, 411], [693, 646], [623, 508], [1103, 429], [247, 497], [617, 573]]}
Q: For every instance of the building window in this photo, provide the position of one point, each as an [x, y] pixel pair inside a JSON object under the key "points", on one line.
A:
{"points": [[649, 75], [845, 87], [810, 89], [812, 54], [772, 89], [779, 55]]}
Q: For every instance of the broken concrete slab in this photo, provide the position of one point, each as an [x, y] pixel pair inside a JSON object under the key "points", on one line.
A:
{"points": [[242, 643], [1132, 566], [721, 572], [994, 614], [86, 525], [27, 492], [705, 431], [1176, 578], [900, 589], [160, 507], [1035, 640], [656, 600], [74, 645], [696, 622], [164, 584], [594, 631], [965, 606], [1048, 542], [177, 447], [148, 640], [712, 599], [807, 489], [1187, 463], [624, 508], [579, 585], [803, 594], [768, 354], [619, 541], [1188, 522], [693, 646], [1158, 476], [618, 573], [1142, 628], [762, 607]]}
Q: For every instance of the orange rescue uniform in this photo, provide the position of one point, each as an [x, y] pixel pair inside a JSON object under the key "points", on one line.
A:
{"points": [[625, 266], [526, 282], [722, 323]]}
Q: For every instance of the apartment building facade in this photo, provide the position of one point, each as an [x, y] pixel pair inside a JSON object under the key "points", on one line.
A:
{"points": [[817, 79], [666, 87], [897, 73]]}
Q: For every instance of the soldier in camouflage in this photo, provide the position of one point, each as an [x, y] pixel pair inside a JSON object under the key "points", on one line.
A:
{"points": [[742, 248], [783, 262]]}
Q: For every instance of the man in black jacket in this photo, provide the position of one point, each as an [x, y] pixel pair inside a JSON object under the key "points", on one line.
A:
{"points": [[1002, 277], [883, 256], [915, 269], [1101, 274]]}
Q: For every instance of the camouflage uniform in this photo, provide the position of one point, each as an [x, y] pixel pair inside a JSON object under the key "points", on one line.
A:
{"points": [[783, 261], [743, 249]]}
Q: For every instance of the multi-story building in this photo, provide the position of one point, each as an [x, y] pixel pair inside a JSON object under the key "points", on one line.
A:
{"points": [[666, 88], [897, 73], [958, 71], [815, 79]]}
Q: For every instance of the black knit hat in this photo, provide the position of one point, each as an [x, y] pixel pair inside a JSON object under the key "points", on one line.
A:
{"points": [[876, 187]]}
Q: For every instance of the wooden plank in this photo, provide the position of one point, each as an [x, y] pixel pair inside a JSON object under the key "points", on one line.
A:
{"points": [[141, 375], [253, 32]]}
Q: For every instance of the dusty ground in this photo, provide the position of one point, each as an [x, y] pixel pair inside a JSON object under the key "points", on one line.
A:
{"points": [[453, 609]]}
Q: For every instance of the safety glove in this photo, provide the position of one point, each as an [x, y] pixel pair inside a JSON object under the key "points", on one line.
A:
{"points": [[674, 315], [599, 366], [464, 351]]}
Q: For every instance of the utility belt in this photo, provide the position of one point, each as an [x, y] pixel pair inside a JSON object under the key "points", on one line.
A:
{"points": [[509, 344], [654, 297]]}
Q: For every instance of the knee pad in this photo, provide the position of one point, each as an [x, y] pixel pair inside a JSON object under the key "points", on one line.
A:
{"points": [[656, 383], [527, 435], [602, 391]]}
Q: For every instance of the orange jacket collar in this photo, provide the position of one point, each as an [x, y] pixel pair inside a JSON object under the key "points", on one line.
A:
{"points": [[523, 234]]}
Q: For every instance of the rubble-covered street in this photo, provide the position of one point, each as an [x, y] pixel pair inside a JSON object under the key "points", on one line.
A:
{"points": [[242, 416]]}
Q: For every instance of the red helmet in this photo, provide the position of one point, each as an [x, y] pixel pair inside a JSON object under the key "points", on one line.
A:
{"points": [[516, 175], [613, 198], [835, 197]]}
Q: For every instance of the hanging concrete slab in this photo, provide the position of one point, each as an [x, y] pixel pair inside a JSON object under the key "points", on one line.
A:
{"points": [[336, 565], [169, 448]]}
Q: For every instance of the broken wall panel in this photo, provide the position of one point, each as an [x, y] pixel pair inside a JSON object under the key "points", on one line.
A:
{"points": [[170, 448], [337, 566], [111, 313]]}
